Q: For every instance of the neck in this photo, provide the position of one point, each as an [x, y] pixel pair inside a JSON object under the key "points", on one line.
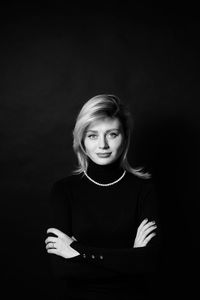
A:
{"points": [[105, 173]]}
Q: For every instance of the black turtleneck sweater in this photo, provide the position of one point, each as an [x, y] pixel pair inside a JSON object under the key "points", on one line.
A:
{"points": [[104, 221]]}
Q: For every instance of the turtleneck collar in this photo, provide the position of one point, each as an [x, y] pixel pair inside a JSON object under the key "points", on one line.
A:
{"points": [[104, 173]]}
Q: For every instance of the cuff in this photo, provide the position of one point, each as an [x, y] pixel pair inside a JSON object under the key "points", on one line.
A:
{"points": [[86, 252]]}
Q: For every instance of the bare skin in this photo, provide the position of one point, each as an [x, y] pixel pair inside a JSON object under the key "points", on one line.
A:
{"points": [[144, 233], [60, 245]]}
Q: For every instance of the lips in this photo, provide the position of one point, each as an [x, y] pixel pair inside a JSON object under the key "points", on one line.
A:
{"points": [[104, 155]]}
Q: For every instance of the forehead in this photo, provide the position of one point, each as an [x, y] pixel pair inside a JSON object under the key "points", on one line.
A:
{"points": [[105, 124]]}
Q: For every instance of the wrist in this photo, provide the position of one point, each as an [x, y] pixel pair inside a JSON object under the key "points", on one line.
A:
{"points": [[73, 252]]}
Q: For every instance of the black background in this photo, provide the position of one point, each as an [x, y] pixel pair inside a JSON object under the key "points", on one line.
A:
{"points": [[55, 58]]}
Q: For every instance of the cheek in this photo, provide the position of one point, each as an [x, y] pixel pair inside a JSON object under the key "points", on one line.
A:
{"points": [[118, 145], [89, 146]]}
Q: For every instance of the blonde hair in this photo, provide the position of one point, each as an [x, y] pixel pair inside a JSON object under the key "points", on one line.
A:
{"points": [[97, 108]]}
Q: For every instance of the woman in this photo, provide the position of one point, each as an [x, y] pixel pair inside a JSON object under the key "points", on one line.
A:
{"points": [[104, 237]]}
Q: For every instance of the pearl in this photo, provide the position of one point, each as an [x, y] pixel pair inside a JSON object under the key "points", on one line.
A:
{"points": [[105, 184]]}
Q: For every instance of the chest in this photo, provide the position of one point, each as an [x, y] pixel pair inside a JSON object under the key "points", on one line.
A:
{"points": [[104, 214]]}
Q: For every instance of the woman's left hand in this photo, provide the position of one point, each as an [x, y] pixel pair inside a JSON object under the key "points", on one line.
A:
{"points": [[60, 245]]}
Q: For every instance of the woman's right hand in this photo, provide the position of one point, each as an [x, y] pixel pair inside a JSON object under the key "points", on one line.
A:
{"points": [[144, 233]]}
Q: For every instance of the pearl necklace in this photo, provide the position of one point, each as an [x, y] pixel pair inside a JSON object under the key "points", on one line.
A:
{"points": [[105, 184]]}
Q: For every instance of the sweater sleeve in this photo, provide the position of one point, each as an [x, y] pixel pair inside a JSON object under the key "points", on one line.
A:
{"points": [[60, 218], [129, 260]]}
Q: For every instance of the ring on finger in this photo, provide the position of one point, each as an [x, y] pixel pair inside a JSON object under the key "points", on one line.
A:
{"points": [[51, 245]]}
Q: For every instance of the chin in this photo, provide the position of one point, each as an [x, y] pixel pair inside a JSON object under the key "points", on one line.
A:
{"points": [[104, 161]]}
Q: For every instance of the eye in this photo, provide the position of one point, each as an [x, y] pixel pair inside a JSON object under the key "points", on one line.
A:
{"points": [[92, 136], [113, 135]]}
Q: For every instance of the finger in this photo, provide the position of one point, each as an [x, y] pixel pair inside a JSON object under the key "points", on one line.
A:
{"points": [[145, 232], [73, 238], [51, 245], [53, 251], [51, 239], [149, 237], [152, 223], [142, 224], [55, 231], [145, 227]]}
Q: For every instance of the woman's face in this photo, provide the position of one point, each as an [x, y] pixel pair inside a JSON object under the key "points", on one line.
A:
{"points": [[104, 141]]}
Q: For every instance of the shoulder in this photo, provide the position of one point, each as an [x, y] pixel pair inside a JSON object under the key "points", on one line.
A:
{"points": [[139, 180], [67, 182], [145, 192], [141, 185]]}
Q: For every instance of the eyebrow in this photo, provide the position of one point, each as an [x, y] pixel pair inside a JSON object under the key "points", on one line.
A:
{"points": [[96, 131]]}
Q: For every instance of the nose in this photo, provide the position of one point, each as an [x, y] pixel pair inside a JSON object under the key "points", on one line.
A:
{"points": [[103, 143]]}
